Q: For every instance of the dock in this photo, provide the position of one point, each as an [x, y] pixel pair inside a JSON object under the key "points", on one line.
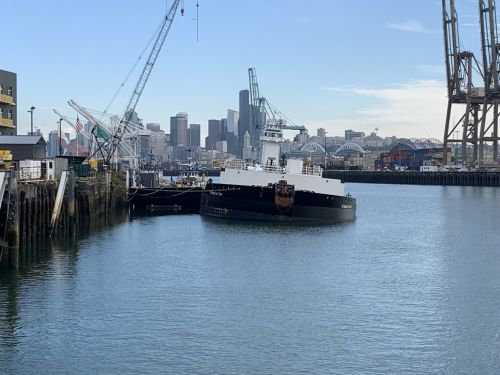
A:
{"points": [[34, 211], [487, 179]]}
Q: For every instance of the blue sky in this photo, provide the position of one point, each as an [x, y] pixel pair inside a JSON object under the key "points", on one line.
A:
{"points": [[329, 63]]}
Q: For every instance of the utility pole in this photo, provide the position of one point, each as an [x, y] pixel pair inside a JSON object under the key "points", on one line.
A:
{"points": [[31, 133], [60, 136], [31, 111]]}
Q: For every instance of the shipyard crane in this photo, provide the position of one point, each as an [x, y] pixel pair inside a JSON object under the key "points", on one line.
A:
{"points": [[116, 139], [262, 109], [88, 137], [491, 66], [462, 93]]}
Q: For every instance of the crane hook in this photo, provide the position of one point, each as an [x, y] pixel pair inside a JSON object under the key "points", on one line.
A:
{"points": [[182, 11]]}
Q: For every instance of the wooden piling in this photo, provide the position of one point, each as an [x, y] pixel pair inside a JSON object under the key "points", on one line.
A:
{"points": [[13, 222]]}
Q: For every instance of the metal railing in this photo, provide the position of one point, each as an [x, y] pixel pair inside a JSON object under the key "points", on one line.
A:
{"points": [[314, 170], [36, 173], [7, 99]]}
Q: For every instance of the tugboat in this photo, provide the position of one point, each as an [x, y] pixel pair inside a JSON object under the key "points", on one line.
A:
{"points": [[289, 191]]}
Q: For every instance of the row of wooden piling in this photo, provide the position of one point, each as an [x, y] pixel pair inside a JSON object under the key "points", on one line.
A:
{"points": [[27, 209]]}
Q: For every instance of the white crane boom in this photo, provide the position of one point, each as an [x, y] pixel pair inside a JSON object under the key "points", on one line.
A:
{"points": [[88, 137]]}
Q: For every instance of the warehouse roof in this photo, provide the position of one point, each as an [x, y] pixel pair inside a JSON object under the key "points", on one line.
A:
{"points": [[21, 139]]}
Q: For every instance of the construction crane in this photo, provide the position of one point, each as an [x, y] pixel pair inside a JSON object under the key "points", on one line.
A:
{"points": [[109, 139], [143, 79]]}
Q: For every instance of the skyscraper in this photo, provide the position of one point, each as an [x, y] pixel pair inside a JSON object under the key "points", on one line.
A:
{"points": [[214, 134], [178, 129], [232, 121], [134, 121], [244, 116], [194, 134], [153, 126]]}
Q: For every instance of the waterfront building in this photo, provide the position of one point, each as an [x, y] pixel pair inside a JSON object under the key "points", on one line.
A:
{"points": [[8, 100], [413, 153], [178, 129], [24, 147]]}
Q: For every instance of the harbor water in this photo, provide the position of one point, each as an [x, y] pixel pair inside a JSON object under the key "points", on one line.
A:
{"points": [[411, 287]]}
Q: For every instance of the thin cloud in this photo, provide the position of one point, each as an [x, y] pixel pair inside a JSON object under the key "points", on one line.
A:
{"points": [[413, 109], [410, 25]]}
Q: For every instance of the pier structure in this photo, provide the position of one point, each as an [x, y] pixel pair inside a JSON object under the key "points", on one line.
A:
{"points": [[477, 106], [28, 209], [480, 178]]}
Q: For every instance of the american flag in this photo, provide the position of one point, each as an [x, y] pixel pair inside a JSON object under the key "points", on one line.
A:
{"points": [[79, 125]]}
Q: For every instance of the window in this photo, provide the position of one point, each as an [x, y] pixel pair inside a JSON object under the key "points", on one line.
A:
{"points": [[10, 114], [1, 112], [1, 89], [9, 91]]}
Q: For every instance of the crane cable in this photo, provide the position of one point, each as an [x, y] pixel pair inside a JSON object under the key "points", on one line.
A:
{"points": [[132, 70]]}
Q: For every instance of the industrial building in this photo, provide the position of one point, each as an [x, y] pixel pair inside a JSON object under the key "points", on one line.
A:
{"points": [[8, 100], [24, 147]]}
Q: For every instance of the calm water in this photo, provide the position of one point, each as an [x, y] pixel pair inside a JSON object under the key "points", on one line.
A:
{"points": [[412, 287]]}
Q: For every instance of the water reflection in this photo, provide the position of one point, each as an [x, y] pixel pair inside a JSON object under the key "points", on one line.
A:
{"points": [[55, 258], [410, 287]]}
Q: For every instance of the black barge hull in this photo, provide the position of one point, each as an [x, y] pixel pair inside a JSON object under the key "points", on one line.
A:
{"points": [[275, 203], [165, 200]]}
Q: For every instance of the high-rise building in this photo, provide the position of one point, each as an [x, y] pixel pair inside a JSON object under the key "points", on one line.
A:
{"points": [[214, 134], [194, 135], [178, 129], [53, 144], [221, 146], [8, 100], [244, 117], [321, 132], [134, 121], [247, 153], [232, 121], [153, 126], [223, 128], [351, 134]]}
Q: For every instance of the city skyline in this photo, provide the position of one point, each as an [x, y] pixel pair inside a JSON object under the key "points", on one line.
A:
{"points": [[314, 71]]}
